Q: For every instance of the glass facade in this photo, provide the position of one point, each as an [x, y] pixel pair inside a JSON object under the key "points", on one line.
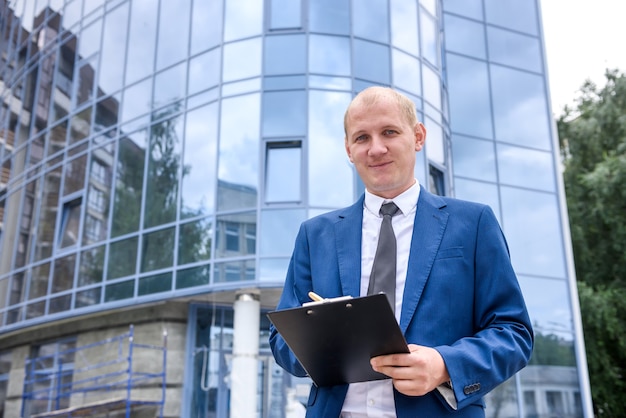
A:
{"points": [[158, 151]]}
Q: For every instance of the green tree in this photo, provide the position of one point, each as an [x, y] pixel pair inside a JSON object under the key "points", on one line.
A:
{"points": [[592, 139]]}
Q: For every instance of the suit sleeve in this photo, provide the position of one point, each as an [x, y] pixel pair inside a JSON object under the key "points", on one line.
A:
{"points": [[502, 341]]}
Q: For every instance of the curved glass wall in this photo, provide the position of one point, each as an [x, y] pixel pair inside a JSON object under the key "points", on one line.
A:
{"points": [[504, 151], [148, 160], [154, 150]]}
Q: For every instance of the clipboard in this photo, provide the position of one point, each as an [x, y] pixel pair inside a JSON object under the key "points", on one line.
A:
{"points": [[335, 339]]}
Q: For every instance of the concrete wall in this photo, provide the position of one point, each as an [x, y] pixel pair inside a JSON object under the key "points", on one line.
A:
{"points": [[150, 322]]}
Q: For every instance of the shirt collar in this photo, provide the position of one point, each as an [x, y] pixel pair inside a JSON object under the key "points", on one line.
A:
{"points": [[405, 201]]}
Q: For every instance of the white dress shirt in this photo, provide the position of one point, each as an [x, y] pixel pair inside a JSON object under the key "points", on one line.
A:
{"points": [[375, 399]]}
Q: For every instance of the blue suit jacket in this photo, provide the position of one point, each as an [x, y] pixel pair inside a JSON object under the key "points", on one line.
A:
{"points": [[461, 297]]}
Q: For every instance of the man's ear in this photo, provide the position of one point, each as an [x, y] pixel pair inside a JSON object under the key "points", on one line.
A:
{"points": [[420, 136], [348, 150]]}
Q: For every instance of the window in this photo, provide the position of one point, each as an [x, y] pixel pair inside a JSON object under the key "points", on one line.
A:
{"points": [[436, 181], [283, 172], [70, 222]]}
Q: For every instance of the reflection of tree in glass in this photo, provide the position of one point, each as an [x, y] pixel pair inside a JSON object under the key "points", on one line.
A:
{"points": [[552, 350], [163, 165], [128, 187], [163, 171]]}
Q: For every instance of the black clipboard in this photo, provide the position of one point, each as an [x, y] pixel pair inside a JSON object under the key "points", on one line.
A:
{"points": [[335, 339]]}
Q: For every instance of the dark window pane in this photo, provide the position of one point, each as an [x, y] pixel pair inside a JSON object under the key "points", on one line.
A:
{"points": [[70, 221], [48, 213], [91, 266], [75, 175], [119, 291], [88, 297], [163, 171], [122, 258], [39, 281], [197, 276], [60, 304], [63, 276], [129, 184], [155, 284], [158, 250], [194, 242]]}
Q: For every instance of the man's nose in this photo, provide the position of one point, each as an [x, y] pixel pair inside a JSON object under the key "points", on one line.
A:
{"points": [[378, 145]]}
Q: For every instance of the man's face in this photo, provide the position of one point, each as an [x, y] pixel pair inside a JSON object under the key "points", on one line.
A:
{"points": [[382, 145]]}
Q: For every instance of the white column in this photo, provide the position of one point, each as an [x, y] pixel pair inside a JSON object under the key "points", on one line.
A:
{"points": [[244, 368]]}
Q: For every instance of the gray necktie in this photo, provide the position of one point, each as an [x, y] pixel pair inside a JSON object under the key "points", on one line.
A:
{"points": [[383, 276]]}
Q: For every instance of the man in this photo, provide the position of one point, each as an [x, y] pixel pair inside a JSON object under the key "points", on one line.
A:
{"points": [[457, 299]]}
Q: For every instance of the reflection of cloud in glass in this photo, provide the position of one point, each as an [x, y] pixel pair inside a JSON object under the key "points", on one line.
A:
{"points": [[548, 305], [404, 26], [243, 18], [141, 40], [370, 20], [137, 100], [470, 105], [169, 85], [465, 36], [206, 31], [473, 158], [173, 38], [514, 49], [526, 168], [278, 231], [242, 59], [532, 226], [113, 49], [329, 55], [406, 72], [428, 38], [520, 108], [198, 189], [239, 140], [331, 177]]}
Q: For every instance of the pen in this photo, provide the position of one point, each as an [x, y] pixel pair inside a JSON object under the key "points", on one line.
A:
{"points": [[315, 297]]}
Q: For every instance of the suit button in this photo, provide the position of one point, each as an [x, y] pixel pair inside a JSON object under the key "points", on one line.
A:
{"points": [[473, 388]]}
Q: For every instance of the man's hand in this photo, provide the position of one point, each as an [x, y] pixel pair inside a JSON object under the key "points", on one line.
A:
{"points": [[416, 373]]}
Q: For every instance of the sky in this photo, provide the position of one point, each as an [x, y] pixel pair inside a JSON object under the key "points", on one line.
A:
{"points": [[582, 38]]}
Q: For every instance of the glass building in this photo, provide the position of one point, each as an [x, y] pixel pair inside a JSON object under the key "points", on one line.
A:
{"points": [[157, 158]]}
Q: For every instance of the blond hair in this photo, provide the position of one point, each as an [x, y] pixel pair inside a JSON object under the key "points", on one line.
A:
{"points": [[372, 95]]}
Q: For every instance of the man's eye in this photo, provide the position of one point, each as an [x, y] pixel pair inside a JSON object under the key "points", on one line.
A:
{"points": [[360, 138], [389, 132]]}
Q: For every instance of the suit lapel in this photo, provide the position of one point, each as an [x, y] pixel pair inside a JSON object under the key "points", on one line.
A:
{"points": [[348, 244], [430, 224]]}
